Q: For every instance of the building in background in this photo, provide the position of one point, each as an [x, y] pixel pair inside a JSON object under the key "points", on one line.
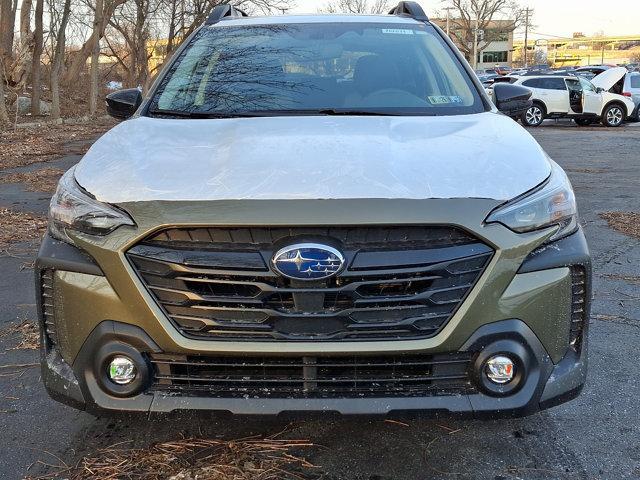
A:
{"points": [[499, 50], [582, 50]]}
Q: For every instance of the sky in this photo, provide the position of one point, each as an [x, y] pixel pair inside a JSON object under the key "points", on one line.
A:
{"points": [[551, 17]]}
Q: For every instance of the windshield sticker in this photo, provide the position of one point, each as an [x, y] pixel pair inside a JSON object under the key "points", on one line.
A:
{"points": [[397, 31], [442, 99]]}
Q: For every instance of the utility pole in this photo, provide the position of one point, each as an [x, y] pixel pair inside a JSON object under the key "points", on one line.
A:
{"points": [[448, 18], [475, 44], [528, 12]]}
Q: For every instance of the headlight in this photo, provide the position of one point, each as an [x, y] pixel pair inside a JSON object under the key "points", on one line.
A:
{"points": [[71, 208], [554, 203]]}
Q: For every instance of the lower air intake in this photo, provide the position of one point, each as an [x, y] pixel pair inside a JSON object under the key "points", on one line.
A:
{"points": [[313, 377]]}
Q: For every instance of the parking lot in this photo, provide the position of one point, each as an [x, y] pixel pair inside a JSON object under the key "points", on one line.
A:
{"points": [[596, 436]]}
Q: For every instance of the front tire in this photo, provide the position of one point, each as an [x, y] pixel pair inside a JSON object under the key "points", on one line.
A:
{"points": [[533, 116], [613, 116]]}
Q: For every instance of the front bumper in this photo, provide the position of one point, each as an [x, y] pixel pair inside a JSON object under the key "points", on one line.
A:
{"points": [[524, 298], [547, 384]]}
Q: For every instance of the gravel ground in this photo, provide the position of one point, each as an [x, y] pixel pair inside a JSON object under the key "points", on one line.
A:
{"points": [[596, 436]]}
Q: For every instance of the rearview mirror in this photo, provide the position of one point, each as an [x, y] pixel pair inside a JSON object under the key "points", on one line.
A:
{"points": [[599, 89], [123, 103], [512, 100]]}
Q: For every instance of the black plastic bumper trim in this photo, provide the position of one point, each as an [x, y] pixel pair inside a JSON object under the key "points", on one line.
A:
{"points": [[58, 255], [567, 251], [546, 385]]}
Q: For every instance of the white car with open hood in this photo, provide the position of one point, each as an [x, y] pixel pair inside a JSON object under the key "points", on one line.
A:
{"points": [[585, 101]]}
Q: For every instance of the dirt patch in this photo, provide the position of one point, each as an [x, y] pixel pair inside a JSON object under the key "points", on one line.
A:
{"points": [[42, 180], [627, 223], [25, 146], [197, 459], [27, 334], [20, 227]]}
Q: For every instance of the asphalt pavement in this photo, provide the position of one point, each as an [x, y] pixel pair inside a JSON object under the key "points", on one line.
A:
{"points": [[596, 436]]}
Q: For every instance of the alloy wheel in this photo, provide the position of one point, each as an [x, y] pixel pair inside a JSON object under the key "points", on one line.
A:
{"points": [[534, 116], [614, 116]]}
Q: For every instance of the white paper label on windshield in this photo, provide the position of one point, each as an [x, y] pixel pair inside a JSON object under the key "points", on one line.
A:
{"points": [[443, 99], [398, 31]]}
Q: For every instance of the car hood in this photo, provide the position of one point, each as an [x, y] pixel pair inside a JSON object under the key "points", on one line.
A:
{"points": [[483, 155], [609, 78]]}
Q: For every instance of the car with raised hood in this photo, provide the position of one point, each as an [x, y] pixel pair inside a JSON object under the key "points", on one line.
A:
{"points": [[631, 89], [576, 97], [315, 213]]}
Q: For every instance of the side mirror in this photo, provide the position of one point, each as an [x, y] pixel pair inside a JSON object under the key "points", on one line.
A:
{"points": [[123, 103], [512, 100], [599, 89]]}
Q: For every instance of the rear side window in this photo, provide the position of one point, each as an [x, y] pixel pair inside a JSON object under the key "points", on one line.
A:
{"points": [[553, 84], [635, 81], [546, 83], [533, 83]]}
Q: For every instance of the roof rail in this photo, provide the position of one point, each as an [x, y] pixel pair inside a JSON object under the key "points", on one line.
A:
{"points": [[224, 11], [410, 9]]}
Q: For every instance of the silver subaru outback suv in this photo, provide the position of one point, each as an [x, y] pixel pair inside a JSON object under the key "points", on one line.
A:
{"points": [[315, 213]]}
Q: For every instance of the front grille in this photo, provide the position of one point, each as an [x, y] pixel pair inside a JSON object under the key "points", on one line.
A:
{"points": [[401, 282], [579, 310], [312, 377], [47, 299]]}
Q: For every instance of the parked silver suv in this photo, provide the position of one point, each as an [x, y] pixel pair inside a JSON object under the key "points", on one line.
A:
{"points": [[631, 89]]}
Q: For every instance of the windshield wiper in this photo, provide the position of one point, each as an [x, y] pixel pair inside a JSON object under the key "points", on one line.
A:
{"points": [[187, 114], [268, 113], [346, 111]]}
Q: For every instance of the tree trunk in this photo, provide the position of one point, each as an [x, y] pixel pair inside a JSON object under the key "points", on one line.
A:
{"points": [[140, 47], [58, 58], [93, 90], [36, 71], [4, 116], [25, 19], [172, 28], [22, 64], [7, 21], [103, 13]]}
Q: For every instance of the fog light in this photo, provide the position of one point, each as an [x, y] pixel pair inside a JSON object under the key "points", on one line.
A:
{"points": [[499, 369], [122, 370]]}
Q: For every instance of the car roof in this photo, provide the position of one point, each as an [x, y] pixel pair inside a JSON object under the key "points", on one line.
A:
{"points": [[319, 18], [529, 77]]}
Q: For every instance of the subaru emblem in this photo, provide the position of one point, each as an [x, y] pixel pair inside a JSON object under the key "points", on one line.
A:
{"points": [[308, 261]]}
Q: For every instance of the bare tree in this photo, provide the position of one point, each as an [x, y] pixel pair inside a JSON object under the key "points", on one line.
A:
{"points": [[131, 31], [132, 22], [4, 115], [482, 15], [356, 6], [58, 58], [36, 70], [103, 11], [7, 21], [18, 74]]}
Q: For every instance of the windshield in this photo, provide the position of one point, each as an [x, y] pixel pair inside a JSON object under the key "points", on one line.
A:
{"points": [[366, 68]]}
